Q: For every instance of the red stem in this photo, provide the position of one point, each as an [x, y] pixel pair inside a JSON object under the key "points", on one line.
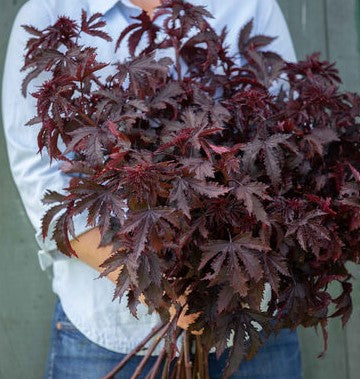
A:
{"points": [[187, 356], [166, 368], [179, 362], [150, 350], [121, 364], [156, 367]]}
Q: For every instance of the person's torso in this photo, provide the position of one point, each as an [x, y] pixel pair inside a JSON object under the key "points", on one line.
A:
{"points": [[88, 302]]}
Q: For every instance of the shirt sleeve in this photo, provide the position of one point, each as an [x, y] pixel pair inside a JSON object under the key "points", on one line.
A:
{"points": [[270, 21], [33, 173]]}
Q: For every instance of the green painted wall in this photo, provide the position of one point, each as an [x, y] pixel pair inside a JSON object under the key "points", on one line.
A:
{"points": [[329, 26], [25, 291]]}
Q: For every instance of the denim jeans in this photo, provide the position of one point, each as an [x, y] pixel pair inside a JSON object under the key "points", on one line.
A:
{"points": [[73, 356]]}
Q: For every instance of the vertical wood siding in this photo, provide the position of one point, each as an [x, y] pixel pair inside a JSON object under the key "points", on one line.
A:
{"points": [[329, 26], [26, 300]]}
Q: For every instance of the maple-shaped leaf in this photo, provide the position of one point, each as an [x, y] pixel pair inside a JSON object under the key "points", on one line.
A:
{"points": [[175, 138], [219, 149], [101, 203], [245, 41], [32, 30], [63, 224], [260, 40], [159, 220], [184, 13], [186, 319], [110, 102], [241, 251], [53, 197], [198, 123], [122, 285], [192, 133], [310, 233], [154, 295], [250, 192], [350, 194], [217, 112], [63, 227], [145, 180], [211, 40], [274, 264], [45, 59], [92, 25], [112, 263], [88, 65], [128, 279], [267, 66], [149, 271], [167, 96], [184, 238], [54, 99], [235, 356], [63, 32], [246, 324], [255, 296], [133, 300], [225, 296], [144, 73], [48, 217], [180, 195], [77, 167], [123, 280], [325, 204], [255, 322], [201, 167], [229, 163], [270, 152], [137, 30], [210, 189], [91, 141], [123, 140], [317, 140], [244, 35]]}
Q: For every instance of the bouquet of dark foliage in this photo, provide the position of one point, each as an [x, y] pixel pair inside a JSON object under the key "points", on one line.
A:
{"points": [[209, 186]]}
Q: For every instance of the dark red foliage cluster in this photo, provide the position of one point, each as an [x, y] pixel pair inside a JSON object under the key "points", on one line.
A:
{"points": [[227, 185]]}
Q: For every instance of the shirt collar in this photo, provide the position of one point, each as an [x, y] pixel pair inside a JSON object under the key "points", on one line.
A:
{"points": [[103, 6]]}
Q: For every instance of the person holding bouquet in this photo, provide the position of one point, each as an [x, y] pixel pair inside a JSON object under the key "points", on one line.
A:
{"points": [[90, 332]]}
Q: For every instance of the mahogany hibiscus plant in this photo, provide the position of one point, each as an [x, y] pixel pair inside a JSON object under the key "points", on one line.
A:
{"points": [[210, 185]]}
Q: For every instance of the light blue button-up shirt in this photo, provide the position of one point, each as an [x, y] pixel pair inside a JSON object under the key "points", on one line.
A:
{"points": [[88, 302]]}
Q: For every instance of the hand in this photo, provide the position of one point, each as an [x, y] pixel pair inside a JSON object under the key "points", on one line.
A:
{"points": [[86, 247]]}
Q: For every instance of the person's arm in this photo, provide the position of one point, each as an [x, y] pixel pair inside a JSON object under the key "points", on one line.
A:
{"points": [[32, 173], [270, 21], [86, 247]]}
